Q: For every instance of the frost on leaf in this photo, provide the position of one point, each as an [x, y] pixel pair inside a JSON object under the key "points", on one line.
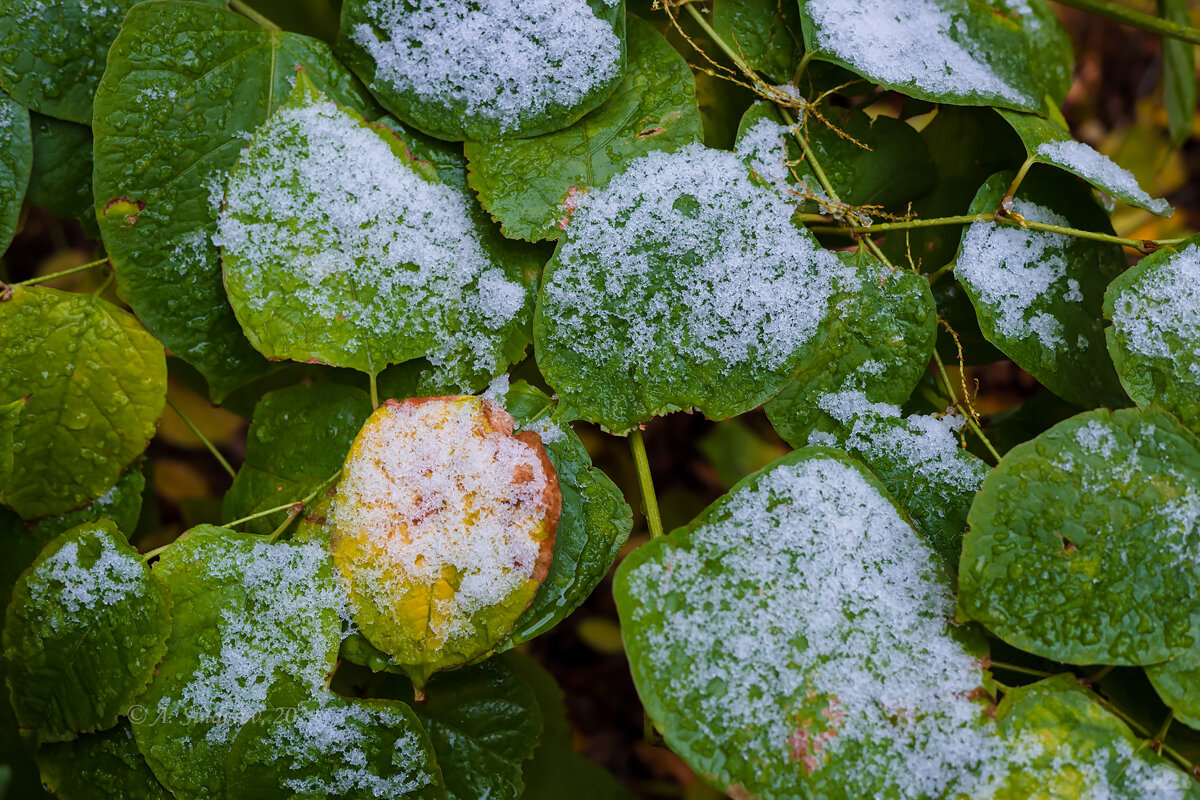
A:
{"points": [[330, 747], [1155, 335], [1083, 541], [338, 247], [683, 283], [444, 527], [490, 69], [798, 635]]}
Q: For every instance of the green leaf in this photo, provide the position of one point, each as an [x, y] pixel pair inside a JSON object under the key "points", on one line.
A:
{"points": [[85, 629], [1179, 73], [483, 721], [1062, 743], [885, 162], [1039, 294], [593, 526], [545, 66], [330, 747], [1155, 336], [443, 528], [556, 770], [529, 185], [765, 32], [682, 284], [122, 504], [10, 418], [184, 85], [297, 441], [256, 628], [965, 52], [96, 382], [878, 339], [16, 161], [99, 766], [382, 262], [1078, 539], [1178, 684], [798, 630], [1048, 142], [62, 170], [52, 53], [918, 458]]}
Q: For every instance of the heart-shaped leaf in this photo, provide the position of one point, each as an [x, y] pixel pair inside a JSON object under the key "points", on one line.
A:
{"points": [[877, 340], [1061, 743], [444, 527], [1038, 294], [545, 64], [681, 284], [256, 628], [918, 458], [594, 524], [1048, 142], [61, 181], [529, 185], [96, 383], [16, 162], [1178, 684], [483, 720], [381, 261], [122, 504], [798, 630], [1081, 541], [334, 748], [1155, 335], [185, 85], [86, 628], [765, 32], [99, 766], [965, 52], [297, 442]]}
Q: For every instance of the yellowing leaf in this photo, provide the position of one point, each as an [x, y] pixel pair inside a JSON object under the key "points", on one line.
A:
{"points": [[444, 526]]}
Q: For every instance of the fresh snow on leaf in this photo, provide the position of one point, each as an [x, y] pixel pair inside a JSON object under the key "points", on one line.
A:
{"points": [[1155, 335], [332, 747], [682, 283], [257, 627], [1099, 169], [84, 632], [444, 528], [336, 247], [505, 66], [1011, 268], [926, 46], [918, 458], [798, 634]]}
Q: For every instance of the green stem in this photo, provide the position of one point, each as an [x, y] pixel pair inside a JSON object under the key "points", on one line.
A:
{"points": [[374, 390], [296, 505], [733, 55], [212, 448], [937, 359], [1166, 726], [1143, 245], [293, 512], [1135, 19], [59, 274], [104, 284], [155, 552], [646, 481], [1006, 203], [251, 14], [1100, 675], [1037, 673]]}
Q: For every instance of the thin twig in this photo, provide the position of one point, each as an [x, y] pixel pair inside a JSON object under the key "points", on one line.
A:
{"points": [[212, 448]]}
